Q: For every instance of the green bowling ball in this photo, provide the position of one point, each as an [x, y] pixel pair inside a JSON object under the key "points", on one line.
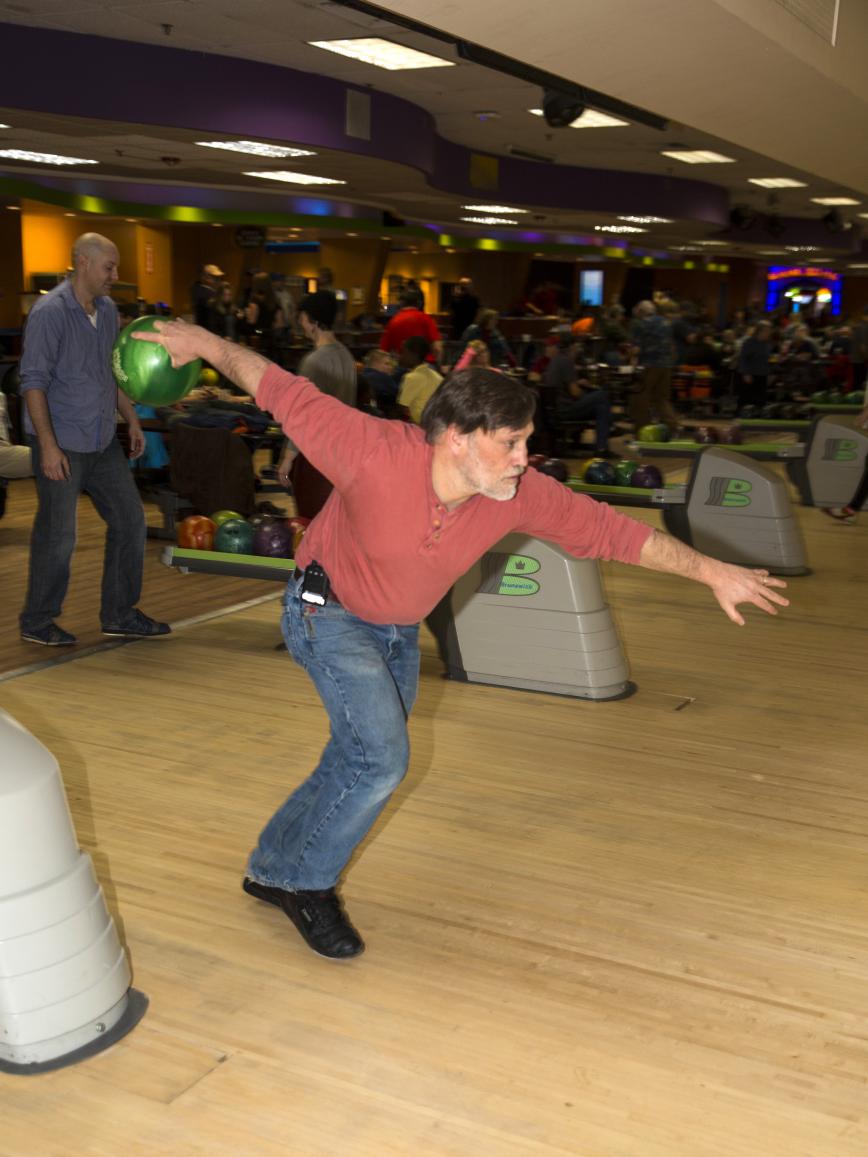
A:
{"points": [[235, 537], [624, 471], [654, 432], [221, 516], [144, 370], [834, 397], [820, 397]]}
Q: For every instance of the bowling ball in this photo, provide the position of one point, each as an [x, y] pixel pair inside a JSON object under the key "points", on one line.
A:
{"points": [[820, 397], [535, 460], [196, 532], [772, 411], [706, 435], [647, 476], [748, 412], [274, 540], [654, 432], [298, 524], [221, 516], [144, 370], [834, 397], [624, 471], [555, 468], [257, 520], [581, 467], [731, 436], [601, 473], [234, 537], [789, 411], [209, 377]]}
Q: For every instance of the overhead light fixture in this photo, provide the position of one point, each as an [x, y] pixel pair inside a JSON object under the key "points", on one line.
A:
{"points": [[684, 248], [697, 157], [772, 252], [493, 209], [646, 220], [590, 119], [835, 201], [14, 208], [822, 260], [710, 243], [291, 178], [618, 229], [489, 220], [257, 149], [382, 53], [44, 158], [5, 126], [777, 183], [852, 265], [801, 248]]}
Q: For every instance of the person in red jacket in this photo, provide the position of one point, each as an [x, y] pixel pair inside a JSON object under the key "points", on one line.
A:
{"points": [[412, 508], [410, 321]]}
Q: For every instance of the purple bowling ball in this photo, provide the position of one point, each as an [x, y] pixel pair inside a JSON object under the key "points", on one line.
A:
{"points": [[273, 540], [647, 476]]}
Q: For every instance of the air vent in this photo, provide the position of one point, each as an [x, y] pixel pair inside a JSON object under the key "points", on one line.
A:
{"points": [[821, 16]]}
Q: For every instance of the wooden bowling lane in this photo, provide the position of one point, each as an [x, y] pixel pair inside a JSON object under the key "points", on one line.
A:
{"points": [[593, 930], [166, 595]]}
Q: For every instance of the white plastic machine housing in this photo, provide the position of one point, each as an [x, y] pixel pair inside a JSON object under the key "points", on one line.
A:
{"points": [[64, 977]]}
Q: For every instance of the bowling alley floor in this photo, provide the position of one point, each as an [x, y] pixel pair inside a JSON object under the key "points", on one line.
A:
{"points": [[626, 929]]}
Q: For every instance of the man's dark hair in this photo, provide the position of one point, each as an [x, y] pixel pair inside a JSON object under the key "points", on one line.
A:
{"points": [[417, 346], [409, 299], [478, 399], [321, 307]]}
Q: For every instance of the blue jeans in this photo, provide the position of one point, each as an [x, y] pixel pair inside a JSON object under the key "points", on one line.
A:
{"points": [[592, 406], [367, 676], [105, 476]]}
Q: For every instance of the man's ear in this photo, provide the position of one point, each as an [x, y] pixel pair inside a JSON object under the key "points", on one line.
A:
{"points": [[454, 440]]}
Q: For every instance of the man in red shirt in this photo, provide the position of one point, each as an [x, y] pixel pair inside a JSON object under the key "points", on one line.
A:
{"points": [[411, 322], [412, 508]]}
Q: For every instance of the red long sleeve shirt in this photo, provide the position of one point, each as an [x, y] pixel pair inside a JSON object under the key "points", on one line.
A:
{"points": [[389, 546]]}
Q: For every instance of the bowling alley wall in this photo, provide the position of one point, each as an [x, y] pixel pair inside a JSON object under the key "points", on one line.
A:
{"points": [[160, 260]]}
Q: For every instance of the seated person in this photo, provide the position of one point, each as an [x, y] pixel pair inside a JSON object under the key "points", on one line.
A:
{"points": [[486, 330], [15, 461], [575, 401], [378, 379], [420, 380]]}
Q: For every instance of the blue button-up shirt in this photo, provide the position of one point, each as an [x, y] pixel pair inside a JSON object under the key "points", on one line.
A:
{"points": [[70, 361]]}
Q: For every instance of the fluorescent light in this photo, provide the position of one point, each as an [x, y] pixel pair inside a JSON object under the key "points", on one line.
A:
{"points": [[835, 201], [772, 252], [489, 220], [296, 178], [821, 260], [256, 148], [777, 183], [5, 126], [801, 248], [852, 265], [711, 242], [590, 119], [44, 158], [493, 209], [382, 53], [684, 248], [646, 220], [619, 229], [697, 157], [14, 208]]}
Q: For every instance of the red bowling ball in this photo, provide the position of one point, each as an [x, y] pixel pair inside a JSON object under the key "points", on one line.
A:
{"points": [[706, 435], [555, 468], [536, 460], [731, 436]]}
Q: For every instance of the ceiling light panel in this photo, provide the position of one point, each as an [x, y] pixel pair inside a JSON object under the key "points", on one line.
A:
{"points": [[489, 220], [646, 220], [492, 209], [44, 158], [382, 53], [698, 157], [777, 183], [619, 229], [291, 178], [835, 201], [590, 119], [257, 149]]}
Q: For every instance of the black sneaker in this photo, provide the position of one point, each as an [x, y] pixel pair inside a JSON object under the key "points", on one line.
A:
{"points": [[319, 917], [137, 626], [50, 636]]}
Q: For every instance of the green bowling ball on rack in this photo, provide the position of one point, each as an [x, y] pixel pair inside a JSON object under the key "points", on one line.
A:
{"points": [[624, 471], [235, 537], [144, 370]]}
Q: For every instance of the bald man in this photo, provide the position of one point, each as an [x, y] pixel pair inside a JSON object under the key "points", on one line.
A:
{"points": [[71, 401]]}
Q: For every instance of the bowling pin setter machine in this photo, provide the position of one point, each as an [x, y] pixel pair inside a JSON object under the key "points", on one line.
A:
{"points": [[64, 977], [527, 615], [732, 509], [825, 469]]}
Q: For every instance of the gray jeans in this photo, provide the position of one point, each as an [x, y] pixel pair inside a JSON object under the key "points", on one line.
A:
{"points": [[106, 478]]}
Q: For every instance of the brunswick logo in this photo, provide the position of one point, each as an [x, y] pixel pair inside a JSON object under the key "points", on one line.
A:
{"points": [[729, 492], [507, 574], [840, 450]]}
